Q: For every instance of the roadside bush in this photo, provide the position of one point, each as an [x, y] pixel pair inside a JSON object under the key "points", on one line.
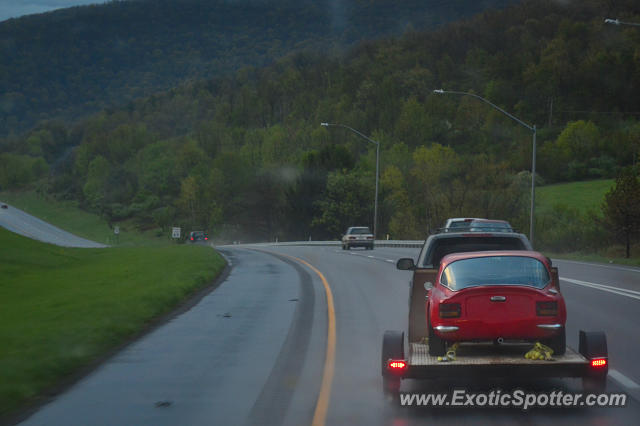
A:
{"points": [[566, 229]]}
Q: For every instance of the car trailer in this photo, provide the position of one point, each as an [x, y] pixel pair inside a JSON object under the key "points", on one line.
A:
{"points": [[506, 360]]}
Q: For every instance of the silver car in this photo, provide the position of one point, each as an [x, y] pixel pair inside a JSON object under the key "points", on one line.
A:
{"points": [[357, 236]]}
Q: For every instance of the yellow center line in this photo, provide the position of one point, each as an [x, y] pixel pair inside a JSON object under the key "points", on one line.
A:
{"points": [[322, 405]]}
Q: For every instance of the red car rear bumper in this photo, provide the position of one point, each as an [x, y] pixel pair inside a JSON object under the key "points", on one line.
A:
{"points": [[482, 330]]}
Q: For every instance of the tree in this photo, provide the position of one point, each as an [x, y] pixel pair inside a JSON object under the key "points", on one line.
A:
{"points": [[94, 187], [347, 202], [621, 207], [397, 204], [434, 172], [579, 142]]}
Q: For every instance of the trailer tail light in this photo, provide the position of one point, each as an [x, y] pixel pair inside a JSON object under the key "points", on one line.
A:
{"points": [[450, 310], [397, 365], [547, 309], [599, 362]]}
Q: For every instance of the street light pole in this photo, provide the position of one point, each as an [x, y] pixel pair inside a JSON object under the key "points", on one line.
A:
{"points": [[375, 204], [533, 159]]}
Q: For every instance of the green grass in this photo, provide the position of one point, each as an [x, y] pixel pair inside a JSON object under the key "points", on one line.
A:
{"points": [[68, 216], [61, 308], [585, 195]]}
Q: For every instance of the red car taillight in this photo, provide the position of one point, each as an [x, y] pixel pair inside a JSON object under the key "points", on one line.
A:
{"points": [[599, 362], [191, 238], [206, 238], [449, 310], [547, 309]]}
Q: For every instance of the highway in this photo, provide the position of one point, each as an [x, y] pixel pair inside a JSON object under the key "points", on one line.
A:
{"points": [[255, 350], [15, 220]]}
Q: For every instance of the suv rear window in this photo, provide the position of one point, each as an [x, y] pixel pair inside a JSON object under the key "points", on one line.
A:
{"points": [[447, 246]]}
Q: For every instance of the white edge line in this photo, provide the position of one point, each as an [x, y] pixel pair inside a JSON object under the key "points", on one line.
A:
{"points": [[600, 265], [623, 380], [626, 290], [598, 287]]}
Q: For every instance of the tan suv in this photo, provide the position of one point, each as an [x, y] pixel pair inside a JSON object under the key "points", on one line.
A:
{"points": [[357, 236]]}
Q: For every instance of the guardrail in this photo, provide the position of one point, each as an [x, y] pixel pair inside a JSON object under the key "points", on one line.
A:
{"points": [[378, 243]]}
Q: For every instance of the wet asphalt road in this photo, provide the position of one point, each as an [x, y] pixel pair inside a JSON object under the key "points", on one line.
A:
{"points": [[253, 350]]}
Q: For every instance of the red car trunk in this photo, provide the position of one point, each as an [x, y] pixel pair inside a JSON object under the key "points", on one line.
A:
{"points": [[490, 312]]}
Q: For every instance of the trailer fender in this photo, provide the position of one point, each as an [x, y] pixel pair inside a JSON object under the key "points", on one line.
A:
{"points": [[593, 346]]}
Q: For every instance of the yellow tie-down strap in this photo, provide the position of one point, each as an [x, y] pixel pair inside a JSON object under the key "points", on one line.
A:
{"points": [[541, 352]]}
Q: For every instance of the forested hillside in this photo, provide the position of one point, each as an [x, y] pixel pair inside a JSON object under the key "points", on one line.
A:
{"points": [[245, 156], [66, 63]]}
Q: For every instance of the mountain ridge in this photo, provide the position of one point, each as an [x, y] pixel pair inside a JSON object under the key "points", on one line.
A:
{"points": [[70, 62]]}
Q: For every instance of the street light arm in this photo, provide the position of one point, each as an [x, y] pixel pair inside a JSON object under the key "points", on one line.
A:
{"points": [[352, 129], [487, 102], [619, 22], [377, 144], [533, 160]]}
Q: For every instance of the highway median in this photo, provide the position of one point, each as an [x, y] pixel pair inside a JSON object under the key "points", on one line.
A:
{"points": [[64, 309]]}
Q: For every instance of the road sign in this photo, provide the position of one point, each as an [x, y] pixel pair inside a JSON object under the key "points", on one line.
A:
{"points": [[175, 233]]}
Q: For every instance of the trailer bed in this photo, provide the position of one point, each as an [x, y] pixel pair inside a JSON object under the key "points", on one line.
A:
{"points": [[505, 360]]}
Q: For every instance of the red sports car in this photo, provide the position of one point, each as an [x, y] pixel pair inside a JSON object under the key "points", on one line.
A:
{"points": [[495, 296]]}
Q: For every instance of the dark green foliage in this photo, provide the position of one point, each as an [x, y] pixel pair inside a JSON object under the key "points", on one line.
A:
{"points": [[348, 201], [245, 155], [568, 229], [69, 62], [622, 207]]}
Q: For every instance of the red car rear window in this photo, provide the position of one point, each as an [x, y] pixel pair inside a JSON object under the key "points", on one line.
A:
{"points": [[495, 270]]}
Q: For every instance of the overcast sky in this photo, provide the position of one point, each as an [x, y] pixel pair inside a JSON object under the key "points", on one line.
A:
{"points": [[15, 8]]}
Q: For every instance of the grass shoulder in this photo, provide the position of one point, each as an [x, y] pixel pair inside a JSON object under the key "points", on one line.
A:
{"points": [[611, 255], [62, 308]]}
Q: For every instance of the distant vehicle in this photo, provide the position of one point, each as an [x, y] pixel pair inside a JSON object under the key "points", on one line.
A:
{"points": [[357, 236], [455, 223], [195, 236], [4, 206], [490, 225], [476, 224]]}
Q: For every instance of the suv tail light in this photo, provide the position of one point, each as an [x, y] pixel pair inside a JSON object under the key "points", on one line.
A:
{"points": [[547, 309], [450, 310]]}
